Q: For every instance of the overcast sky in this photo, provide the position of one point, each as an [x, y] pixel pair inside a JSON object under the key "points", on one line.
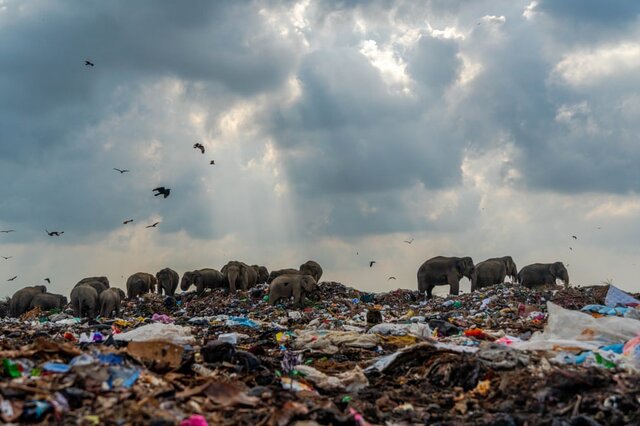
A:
{"points": [[339, 129]]}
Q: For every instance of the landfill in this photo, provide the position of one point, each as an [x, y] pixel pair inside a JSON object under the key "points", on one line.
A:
{"points": [[504, 355]]}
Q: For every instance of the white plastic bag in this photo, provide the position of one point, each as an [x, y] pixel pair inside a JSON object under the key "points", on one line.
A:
{"points": [[158, 332]]}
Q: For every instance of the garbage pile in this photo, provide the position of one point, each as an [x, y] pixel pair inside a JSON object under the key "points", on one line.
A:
{"points": [[504, 355]]}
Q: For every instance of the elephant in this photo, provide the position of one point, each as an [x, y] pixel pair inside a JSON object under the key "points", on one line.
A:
{"points": [[98, 285], [84, 300], [313, 268], [103, 280], [493, 271], [262, 272], [140, 283], [274, 274], [239, 274], [202, 279], [48, 301], [21, 299], [442, 270], [168, 281], [541, 274], [287, 285], [110, 300]]}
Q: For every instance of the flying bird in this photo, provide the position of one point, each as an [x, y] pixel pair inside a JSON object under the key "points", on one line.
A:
{"points": [[6, 257], [409, 241], [120, 170], [391, 278], [212, 162], [127, 221], [574, 237], [11, 279], [152, 225], [161, 190], [54, 233], [48, 280], [371, 263], [8, 230], [89, 64], [571, 248], [199, 146]]}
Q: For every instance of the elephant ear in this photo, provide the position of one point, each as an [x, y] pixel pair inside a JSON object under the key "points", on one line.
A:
{"points": [[224, 269]]}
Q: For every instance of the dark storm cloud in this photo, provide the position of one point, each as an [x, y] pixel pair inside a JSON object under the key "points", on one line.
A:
{"points": [[55, 163]]}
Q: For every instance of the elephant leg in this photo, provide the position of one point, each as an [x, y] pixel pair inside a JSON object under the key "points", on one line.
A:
{"points": [[429, 292], [454, 284], [474, 283], [297, 295]]}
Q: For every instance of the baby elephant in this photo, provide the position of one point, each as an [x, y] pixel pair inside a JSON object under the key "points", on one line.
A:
{"points": [[84, 300], [109, 301], [288, 285], [48, 301]]}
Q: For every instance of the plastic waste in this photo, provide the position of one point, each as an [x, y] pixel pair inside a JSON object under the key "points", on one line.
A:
{"points": [[296, 385], [35, 410], [158, 332], [246, 322], [616, 297], [122, 377], [575, 329], [11, 369], [229, 337], [295, 315], [606, 310], [195, 420], [165, 319], [55, 367], [329, 341], [350, 381]]}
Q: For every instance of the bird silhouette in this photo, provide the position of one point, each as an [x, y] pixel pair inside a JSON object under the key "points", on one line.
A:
{"points": [[6, 257], [127, 221], [212, 162], [152, 225], [571, 248], [409, 241], [120, 170], [371, 263], [89, 64], [54, 233], [391, 278], [574, 237], [199, 146], [11, 279], [161, 190], [48, 280], [8, 230]]}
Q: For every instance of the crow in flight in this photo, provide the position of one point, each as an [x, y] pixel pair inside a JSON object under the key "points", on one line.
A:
{"points": [[121, 170], [574, 237], [6, 257], [11, 279], [391, 278], [153, 225], [89, 64], [409, 241], [371, 263], [212, 162], [48, 280], [8, 230], [199, 146], [54, 233], [162, 191], [127, 221]]}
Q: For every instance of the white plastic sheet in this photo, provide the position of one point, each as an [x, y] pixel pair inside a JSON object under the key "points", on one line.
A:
{"points": [[568, 329], [158, 332]]}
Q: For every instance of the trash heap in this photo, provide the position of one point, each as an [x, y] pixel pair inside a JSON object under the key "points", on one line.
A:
{"points": [[504, 355]]}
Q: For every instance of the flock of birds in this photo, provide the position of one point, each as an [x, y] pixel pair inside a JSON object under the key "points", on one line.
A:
{"points": [[161, 190]]}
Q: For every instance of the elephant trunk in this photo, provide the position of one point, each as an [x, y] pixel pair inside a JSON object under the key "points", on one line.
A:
{"points": [[232, 276]]}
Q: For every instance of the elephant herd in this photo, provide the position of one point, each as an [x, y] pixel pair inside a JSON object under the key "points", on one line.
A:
{"points": [[442, 270], [93, 296]]}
